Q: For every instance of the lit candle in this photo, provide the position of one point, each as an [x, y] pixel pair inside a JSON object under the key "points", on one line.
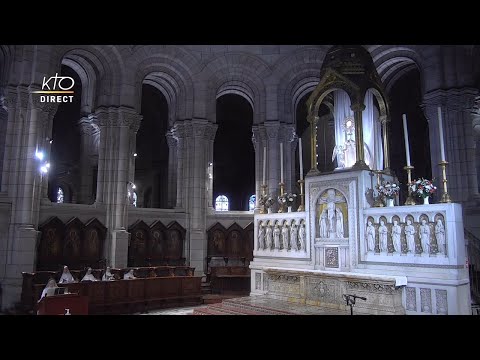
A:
{"points": [[440, 131], [264, 163], [405, 133], [301, 157], [281, 163]]}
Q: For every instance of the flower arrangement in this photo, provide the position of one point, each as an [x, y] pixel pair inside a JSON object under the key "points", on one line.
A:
{"points": [[388, 189], [287, 199], [266, 201], [422, 187]]}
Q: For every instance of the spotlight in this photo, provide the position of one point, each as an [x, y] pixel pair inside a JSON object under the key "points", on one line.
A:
{"points": [[47, 165], [43, 169], [134, 154], [39, 155], [51, 141], [133, 186]]}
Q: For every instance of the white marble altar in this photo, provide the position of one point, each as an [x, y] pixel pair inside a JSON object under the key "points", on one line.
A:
{"points": [[422, 243]]}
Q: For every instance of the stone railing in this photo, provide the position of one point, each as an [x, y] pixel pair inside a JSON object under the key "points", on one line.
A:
{"points": [[282, 235]]}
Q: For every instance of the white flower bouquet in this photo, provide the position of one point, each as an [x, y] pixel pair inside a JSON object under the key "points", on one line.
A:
{"points": [[422, 187], [388, 189]]}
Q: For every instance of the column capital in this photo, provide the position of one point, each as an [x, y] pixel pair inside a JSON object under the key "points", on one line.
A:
{"points": [[171, 141], [313, 119], [357, 107], [272, 129], [117, 117], [289, 133]]}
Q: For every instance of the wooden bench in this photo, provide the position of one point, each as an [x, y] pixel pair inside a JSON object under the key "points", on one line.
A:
{"points": [[230, 279]]}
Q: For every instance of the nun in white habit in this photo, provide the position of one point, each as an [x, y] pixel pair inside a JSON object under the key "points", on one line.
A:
{"points": [[89, 276], [108, 276], [66, 277]]}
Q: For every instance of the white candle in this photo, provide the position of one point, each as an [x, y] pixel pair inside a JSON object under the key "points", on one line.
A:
{"points": [[301, 157], [281, 163], [405, 133], [440, 132], [264, 163]]}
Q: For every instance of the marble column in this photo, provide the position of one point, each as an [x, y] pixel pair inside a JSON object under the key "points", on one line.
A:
{"points": [[172, 169], [457, 105], [259, 140], [359, 145], [117, 126], [179, 133], [210, 133], [3, 131], [290, 144]]}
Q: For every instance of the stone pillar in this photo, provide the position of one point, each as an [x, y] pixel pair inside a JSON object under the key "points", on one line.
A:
{"points": [[199, 134], [290, 144], [28, 120], [273, 155], [117, 127], [359, 145], [476, 127], [178, 132], [210, 138], [457, 105], [259, 140], [87, 149], [172, 169], [386, 144]]}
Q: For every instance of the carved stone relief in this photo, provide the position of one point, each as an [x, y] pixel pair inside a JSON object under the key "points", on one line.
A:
{"points": [[411, 298], [426, 300], [331, 257], [441, 301]]}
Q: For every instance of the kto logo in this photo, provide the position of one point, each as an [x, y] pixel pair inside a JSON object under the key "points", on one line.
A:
{"points": [[59, 85]]}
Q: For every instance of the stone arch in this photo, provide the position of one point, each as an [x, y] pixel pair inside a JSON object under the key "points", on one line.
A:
{"points": [[234, 72], [392, 62]]}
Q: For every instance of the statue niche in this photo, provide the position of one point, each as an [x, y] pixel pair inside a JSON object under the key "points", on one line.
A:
{"points": [[332, 215]]}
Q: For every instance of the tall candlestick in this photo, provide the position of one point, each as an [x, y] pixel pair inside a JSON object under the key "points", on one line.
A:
{"points": [[281, 163], [264, 163], [405, 133], [301, 157], [440, 131]]}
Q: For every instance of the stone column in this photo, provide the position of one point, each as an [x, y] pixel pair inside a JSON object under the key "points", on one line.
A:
{"points": [[273, 155], [85, 195], [258, 145], [200, 133], [28, 120], [210, 132], [457, 105], [178, 132], [359, 146], [476, 127], [386, 144], [172, 168], [290, 144], [117, 124]]}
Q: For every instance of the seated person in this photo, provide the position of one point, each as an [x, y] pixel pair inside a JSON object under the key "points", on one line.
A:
{"points": [[66, 277], [108, 276], [89, 276], [129, 275], [152, 273], [51, 284]]}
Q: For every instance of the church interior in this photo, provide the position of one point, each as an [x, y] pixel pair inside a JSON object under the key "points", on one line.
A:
{"points": [[240, 179]]}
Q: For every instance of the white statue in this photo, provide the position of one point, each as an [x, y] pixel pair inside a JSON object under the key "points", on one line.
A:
{"points": [[269, 237], [293, 235], [382, 231], [285, 235], [261, 236], [323, 224], [339, 153], [440, 236], [396, 232], [370, 237], [276, 236], [339, 223], [425, 236], [332, 216], [302, 236], [409, 235]]}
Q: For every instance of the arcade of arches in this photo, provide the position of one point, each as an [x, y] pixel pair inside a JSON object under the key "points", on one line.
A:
{"points": [[176, 134]]}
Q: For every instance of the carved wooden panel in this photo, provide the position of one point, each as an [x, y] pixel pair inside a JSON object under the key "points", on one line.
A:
{"points": [[93, 244], [50, 248], [174, 241], [235, 241], [157, 242], [216, 240], [74, 230], [249, 243], [137, 249]]}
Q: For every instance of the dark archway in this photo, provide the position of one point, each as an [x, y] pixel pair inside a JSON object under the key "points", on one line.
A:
{"points": [[406, 98], [233, 153], [151, 162], [64, 155]]}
